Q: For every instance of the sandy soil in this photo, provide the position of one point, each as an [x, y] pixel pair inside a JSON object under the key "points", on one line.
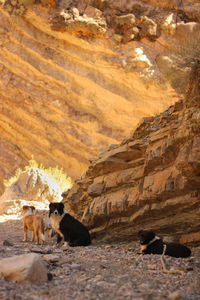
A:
{"points": [[100, 271]]}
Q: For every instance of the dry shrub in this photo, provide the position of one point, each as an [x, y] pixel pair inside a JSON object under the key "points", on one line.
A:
{"points": [[185, 55]]}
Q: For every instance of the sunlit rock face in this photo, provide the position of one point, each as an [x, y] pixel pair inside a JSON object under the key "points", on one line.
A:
{"points": [[33, 187], [77, 77], [150, 181]]}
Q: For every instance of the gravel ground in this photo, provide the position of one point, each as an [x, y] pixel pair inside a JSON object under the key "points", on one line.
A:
{"points": [[100, 271]]}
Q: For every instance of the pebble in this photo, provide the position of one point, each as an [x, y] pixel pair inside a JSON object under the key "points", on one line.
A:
{"points": [[7, 243], [50, 258], [177, 295]]}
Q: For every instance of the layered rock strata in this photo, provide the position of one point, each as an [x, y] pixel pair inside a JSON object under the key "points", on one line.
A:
{"points": [[151, 180], [64, 98]]}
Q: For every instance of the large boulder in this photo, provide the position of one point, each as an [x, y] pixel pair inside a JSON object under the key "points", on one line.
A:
{"points": [[26, 267]]}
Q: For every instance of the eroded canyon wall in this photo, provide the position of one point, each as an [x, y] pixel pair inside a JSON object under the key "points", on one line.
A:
{"points": [[150, 181]]}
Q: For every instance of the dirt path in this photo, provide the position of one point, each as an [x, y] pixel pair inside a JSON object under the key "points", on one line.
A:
{"points": [[100, 271]]}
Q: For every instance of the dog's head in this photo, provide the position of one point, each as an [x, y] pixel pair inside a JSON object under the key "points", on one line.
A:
{"points": [[28, 210], [146, 236], [56, 208]]}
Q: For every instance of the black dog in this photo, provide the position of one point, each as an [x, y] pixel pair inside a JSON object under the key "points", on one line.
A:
{"points": [[151, 244], [67, 227]]}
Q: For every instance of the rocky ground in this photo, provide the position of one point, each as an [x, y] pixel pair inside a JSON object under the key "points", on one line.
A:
{"points": [[100, 271]]}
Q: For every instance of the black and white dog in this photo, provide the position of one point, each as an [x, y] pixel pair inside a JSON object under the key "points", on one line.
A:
{"points": [[151, 244], [67, 227]]}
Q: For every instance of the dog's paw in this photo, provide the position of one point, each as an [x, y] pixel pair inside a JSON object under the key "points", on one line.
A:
{"points": [[65, 246]]}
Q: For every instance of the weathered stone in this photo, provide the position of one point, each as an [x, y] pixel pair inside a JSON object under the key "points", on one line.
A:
{"points": [[131, 34], [125, 21], [177, 295], [169, 23], [50, 258], [7, 243], [118, 37], [149, 28], [81, 26], [26, 267]]}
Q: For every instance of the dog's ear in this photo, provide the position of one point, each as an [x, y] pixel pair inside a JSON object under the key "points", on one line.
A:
{"points": [[32, 207], [62, 205], [50, 205]]}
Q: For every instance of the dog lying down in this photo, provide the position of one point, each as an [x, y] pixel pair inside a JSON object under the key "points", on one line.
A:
{"points": [[67, 227], [33, 223], [151, 244]]}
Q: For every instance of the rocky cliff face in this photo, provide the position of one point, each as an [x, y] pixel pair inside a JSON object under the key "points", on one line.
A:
{"points": [[151, 180], [77, 76]]}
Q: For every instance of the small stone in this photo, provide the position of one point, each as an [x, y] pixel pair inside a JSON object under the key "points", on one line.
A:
{"points": [[75, 267], [65, 246], [125, 20], [50, 258], [107, 246], [40, 250], [7, 243], [177, 295], [118, 38], [58, 250], [75, 12], [72, 266]]}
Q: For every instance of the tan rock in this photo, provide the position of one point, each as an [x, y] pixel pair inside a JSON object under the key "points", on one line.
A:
{"points": [[177, 295], [26, 267], [169, 23], [150, 180], [149, 28], [103, 87], [126, 21], [118, 37], [50, 258]]}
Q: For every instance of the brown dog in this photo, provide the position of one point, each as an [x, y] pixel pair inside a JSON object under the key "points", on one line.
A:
{"points": [[33, 223]]}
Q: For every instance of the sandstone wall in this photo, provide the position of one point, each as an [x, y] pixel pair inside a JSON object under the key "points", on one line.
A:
{"points": [[64, 98], [151, 180]]}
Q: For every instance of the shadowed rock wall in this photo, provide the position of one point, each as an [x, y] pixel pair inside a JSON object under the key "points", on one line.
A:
{"points": [[151, 180]]}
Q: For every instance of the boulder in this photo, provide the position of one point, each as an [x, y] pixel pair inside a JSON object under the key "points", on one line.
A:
{"points": [[26, 267], [149, 28], [82, 26]]}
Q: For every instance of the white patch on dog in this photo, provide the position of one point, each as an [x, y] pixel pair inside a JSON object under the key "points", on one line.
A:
{"points": [[144, 247], [28, 212], [55, 221]]}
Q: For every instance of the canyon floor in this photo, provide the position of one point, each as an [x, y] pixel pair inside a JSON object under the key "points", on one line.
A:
{"points": [[100, 271]]}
